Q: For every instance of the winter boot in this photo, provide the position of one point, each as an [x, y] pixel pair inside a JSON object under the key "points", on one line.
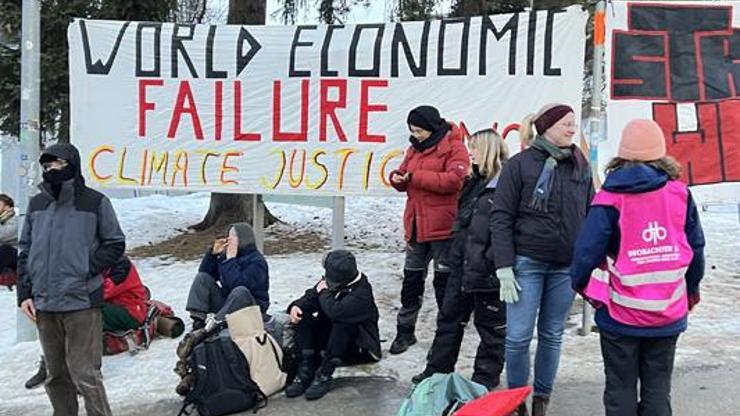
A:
{"points": [[185, 385], [521, 410], [304, 376], [539, 405], [181, 368], [323, 380], [189, 341], [422, 376], [38, 378], [404, 339], [199, 320]]}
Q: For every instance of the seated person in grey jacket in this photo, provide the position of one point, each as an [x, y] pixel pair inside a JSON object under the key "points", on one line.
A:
{"points": [[8, 235], [336, 323]]}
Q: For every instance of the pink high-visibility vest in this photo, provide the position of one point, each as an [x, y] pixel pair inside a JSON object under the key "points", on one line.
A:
{"points": [[645, 284]]}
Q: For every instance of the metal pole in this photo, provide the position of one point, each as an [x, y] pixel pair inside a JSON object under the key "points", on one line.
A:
{"points": [[595, 119], [337, 223], [258, 221], [29, 152]]}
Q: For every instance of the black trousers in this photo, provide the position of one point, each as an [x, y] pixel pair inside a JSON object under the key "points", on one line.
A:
{"points": [[628, 360], [334, 339], [490, 322], [8, 258]]}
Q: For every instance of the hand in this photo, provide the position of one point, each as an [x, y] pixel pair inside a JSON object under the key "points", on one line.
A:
{"points": [[321, 285], [219, 246], [231, 251], [693, 301], [397, 178], [28, 309], [509, 291], [296, 314]]}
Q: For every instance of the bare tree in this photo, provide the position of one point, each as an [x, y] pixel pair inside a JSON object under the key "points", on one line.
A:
{"points": [[229, 208]]}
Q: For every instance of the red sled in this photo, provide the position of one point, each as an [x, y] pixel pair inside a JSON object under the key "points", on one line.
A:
{"points": [[497, 403]]}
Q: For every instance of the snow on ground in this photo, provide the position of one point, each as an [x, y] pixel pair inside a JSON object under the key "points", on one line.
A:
{"points": [[373, 223]]}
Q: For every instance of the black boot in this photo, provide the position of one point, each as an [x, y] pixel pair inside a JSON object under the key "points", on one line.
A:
{"points": [[323, 380], [304, 376], [404, 339], [539, 405], [422, 376], [38, 378], [521, 410]]}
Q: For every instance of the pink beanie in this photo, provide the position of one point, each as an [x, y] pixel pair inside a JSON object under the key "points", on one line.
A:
{"points": [[642, 140]]}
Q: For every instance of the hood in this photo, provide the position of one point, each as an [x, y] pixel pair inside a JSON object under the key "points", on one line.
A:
{"points": [[635, 179], [64, 151], [245, 233]]}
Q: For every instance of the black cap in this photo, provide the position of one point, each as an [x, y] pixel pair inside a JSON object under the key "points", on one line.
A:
{"points": [[340, 268]]}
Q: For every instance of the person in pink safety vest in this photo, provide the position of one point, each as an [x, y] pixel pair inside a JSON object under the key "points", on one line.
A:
{"points": [[639, 259]]}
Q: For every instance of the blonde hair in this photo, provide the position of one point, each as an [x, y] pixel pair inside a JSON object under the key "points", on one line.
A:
{"points": [[493, 152], [667, 164]]}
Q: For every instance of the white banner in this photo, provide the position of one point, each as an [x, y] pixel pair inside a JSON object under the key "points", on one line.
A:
{"points": [[678, 63], [302, 109]]}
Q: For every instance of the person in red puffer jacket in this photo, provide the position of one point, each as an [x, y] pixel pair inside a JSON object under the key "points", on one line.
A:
{"points": [[432, 175], [125, 297]]}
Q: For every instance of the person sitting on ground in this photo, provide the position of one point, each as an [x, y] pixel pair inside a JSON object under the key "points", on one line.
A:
{"points": [[124, 296], [338, 319], [232, 275], [8, 241]]}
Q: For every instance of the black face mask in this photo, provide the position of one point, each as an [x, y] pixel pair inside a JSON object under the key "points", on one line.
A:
{"points": [[57, 177]]}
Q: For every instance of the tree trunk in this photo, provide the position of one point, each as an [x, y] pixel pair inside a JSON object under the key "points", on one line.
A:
{"points": [[230, 208]]}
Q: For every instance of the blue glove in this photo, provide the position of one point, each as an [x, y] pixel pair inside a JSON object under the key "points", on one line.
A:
{"points": [[509, 292]]}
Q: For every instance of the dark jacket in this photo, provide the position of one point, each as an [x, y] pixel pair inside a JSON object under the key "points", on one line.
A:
{"points": [[472, 239], [353, 304], [248, 269], [600, 236], [519, 229], [437, 175], [67, 243]]}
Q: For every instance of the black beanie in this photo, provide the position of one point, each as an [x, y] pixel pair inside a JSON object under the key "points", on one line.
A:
{"points": [[426, 117], [340, 268]]}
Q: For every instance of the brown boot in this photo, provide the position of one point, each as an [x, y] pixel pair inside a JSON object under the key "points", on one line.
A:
{"points": [[539, 405], [191, 339], [185, 384]]}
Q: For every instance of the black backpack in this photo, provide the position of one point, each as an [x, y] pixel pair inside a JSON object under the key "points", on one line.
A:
{"points": [[222, 384]]}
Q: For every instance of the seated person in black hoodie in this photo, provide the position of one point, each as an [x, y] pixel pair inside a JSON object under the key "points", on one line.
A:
{"points": [[336, 323]]}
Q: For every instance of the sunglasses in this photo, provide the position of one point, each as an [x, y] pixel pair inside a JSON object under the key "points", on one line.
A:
{"points": [[57, 164]]}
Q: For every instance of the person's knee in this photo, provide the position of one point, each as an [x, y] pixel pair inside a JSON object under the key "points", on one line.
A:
{"points": [[203, 279], [518, 337]]}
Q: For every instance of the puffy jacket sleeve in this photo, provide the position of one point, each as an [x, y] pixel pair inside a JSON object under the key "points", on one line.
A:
{"points": [[25, 290], [695, 237], [111, 239], [504, 213], [209, 264], [250, 272], [116, 279], [309, 302], [449, 181], [349, 307], [592, 245], [401, 187]]}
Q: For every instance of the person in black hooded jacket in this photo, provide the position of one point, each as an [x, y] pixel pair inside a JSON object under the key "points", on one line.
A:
{"points": [[473, 286], [338, 319]]}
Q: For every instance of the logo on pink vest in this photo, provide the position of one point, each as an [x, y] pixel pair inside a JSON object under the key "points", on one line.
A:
{"points": [[644, 284]]}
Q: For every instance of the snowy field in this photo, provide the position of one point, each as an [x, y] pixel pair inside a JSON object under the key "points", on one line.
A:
{"points": [[137, 382]]}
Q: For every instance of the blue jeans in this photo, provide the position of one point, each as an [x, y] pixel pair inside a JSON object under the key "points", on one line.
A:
{"points": [[546, 297]]}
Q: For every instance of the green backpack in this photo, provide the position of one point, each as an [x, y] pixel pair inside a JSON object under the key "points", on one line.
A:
{"points": [[440, 395]]}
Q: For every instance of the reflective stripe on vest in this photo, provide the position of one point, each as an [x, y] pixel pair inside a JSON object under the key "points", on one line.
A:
{"points": [[650, 305]]}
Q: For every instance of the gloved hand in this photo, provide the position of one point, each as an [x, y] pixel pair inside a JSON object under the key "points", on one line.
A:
{"points": [[509, 292]]}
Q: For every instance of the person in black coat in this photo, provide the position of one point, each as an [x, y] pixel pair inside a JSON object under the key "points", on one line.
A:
{"points": [[336, 319], [473, 286]]}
